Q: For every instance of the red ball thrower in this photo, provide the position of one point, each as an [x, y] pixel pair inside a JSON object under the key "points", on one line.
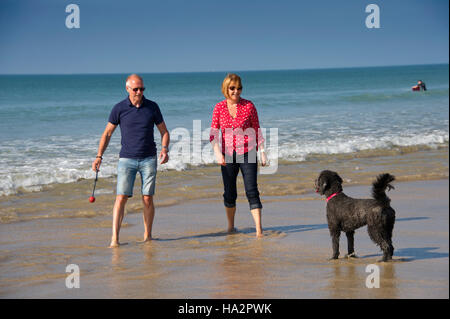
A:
{"points": [[92, 198]]}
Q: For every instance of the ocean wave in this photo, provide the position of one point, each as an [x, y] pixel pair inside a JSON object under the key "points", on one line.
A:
{"points": [[35, 172], [300, 151]]}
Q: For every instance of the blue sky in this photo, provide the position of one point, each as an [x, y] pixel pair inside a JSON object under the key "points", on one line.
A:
{"points": [[209, 35]]}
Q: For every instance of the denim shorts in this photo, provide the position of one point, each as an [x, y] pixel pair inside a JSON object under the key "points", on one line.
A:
{"points": [[126, 175]]}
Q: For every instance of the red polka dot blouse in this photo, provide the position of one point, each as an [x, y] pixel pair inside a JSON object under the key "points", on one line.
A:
{"points": [[240, 134]]}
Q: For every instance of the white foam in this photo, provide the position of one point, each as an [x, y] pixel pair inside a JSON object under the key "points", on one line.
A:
{"points": [[299, 151], [30, 165]]}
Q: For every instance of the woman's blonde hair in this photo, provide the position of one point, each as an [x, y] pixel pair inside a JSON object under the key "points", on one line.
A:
{"points": [[231, 78]]}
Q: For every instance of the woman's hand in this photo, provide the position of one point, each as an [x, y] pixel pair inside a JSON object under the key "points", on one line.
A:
{"points": [[220, 159], [263, 158]]}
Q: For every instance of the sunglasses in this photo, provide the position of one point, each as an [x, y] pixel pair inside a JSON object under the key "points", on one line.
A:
{"points": [[232, 88], [136, 89]]}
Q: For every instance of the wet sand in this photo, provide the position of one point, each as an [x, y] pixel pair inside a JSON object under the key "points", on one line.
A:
{"points": [[205, 182], [193, 257]]}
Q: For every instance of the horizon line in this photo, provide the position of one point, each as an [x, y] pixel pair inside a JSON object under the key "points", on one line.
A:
{"points": [[220, 71]]}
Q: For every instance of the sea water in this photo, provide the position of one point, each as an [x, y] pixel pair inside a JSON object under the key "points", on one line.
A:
{"points": [[50, 125]]}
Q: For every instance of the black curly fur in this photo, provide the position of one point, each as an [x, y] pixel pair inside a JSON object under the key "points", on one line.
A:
{"points": [[348, 214], [379, 188]]}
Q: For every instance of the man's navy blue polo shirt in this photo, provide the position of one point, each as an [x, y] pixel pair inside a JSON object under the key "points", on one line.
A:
{"points": [[136, 126]]}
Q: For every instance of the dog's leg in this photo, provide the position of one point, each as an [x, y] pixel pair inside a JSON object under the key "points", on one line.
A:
{"points": [[388, 249], [386, 252], [378, 238], [390, 227], [390, 246], [350, 244], [335, 234], [391, 251], [385, 234]]}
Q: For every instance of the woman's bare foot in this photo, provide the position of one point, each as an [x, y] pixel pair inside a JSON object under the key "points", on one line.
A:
{"points": [[259, 234], [114, 244], [146, 240]]}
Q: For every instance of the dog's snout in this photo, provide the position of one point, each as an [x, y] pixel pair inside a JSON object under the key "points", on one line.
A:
{"points": [[316, 186]]}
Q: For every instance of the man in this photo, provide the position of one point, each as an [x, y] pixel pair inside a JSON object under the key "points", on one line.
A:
{"points": [[136, 116], [420, 86]]}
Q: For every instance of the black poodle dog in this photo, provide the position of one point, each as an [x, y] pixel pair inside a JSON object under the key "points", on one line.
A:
{"points": [[347, 214]]}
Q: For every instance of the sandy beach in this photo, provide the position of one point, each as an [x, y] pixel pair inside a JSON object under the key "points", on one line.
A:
{"points": [[357, 88], [193, 257]]}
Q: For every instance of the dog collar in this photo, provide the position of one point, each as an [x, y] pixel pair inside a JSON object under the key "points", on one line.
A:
{"points": [[331, 196]]}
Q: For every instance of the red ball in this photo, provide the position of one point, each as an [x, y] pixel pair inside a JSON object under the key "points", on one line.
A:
{"points": [[92, 199]]}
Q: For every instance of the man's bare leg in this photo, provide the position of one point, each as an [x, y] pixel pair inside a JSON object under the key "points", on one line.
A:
{"points": [[149, 214], [256, 213], [118, 213], [231, 211]]}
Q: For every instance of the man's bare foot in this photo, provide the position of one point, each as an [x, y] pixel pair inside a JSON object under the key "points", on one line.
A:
{"points": [[232, 230], [116, 244]]}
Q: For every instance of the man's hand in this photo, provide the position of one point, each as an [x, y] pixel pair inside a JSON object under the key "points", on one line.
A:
{"points": [[165, 140], [96, 164], [104, 141], [163, 156]]}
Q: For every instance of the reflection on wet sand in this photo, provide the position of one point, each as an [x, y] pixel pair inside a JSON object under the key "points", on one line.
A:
{"points": [[115, 258], [388, 282], [137, 266], [241, 272], [344, 280], [69, 201], [150, 277], [117, 265], [348, 280]]}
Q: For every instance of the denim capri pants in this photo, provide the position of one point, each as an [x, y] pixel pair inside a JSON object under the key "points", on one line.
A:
{"points": [[248, 166]]}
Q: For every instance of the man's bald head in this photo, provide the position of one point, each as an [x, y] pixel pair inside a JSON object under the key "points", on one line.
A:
{"points": [[133, 78]]}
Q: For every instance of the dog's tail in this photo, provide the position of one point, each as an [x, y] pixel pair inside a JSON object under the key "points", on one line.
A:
{"points": [[379, 188]]}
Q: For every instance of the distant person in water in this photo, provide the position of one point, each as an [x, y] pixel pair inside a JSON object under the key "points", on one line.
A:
{"points": [[420, 86]]}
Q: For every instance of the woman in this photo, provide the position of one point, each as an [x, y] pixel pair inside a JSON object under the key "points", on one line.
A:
{"points": [[241, 138]]}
